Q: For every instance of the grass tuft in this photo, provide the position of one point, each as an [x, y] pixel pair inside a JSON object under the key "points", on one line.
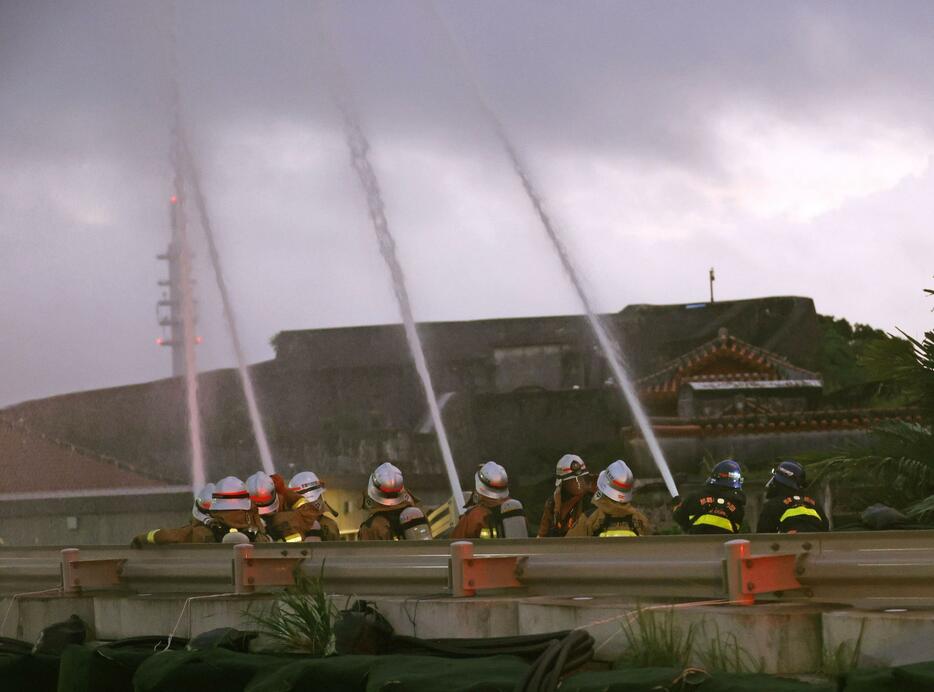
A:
{"points": [[301, 618], [653, 641]]}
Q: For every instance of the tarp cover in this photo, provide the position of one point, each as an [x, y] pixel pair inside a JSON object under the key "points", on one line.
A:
{"points": [[32, 672], [645, 679], [917, 677]]}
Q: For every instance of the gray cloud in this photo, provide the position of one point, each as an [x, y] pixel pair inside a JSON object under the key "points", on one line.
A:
{"points": [[786, 143]]}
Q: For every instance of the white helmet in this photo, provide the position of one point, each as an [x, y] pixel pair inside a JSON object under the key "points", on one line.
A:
{"points": [[202, 503], [230, 493], [491, 481], [570, 466], [616, 482], [386, 486], [308, 485], [262, 491]]}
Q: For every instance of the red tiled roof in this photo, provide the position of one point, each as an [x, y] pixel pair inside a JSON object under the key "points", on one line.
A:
{"points": [[724, 352], [32, 462]]}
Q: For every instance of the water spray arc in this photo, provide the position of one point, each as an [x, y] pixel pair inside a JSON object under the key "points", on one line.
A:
{"points": [[359, 148], [609, 347], [359, 156], [180, 231], [259, 433], [180, 236]]}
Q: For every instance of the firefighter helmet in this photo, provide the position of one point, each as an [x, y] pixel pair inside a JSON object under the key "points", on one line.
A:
{"points": [[386, 486], [788, 473], [230, 493], [202, 503], [570, 466], [308, 485], [491, 481], [615, 482], [726, 474], [262, 491]]}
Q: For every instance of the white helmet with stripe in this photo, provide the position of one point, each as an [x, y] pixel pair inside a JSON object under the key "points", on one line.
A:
{"points": [[386, 486], [615, 482], [491, 481], [230, 493], [262, 491], [308, 485], [569, 466], [202, 503]]}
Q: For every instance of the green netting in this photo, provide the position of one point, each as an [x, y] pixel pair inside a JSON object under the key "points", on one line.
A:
{"points": [[197, 671], [433, 674], [345, 673], [918, 677], [645, 679], [32, 672]]}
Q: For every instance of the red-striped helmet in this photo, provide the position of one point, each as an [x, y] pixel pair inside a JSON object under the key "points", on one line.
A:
{"points": [[491, 481], [202, 503], [386, 486], [616, 482], [308, 485], [570, 466], [230, 493], [262, 491]]}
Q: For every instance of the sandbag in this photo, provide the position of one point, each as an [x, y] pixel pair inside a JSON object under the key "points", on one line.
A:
{"points": [[197, 671], [28, 671], [344, 673], [433, 674], [917, 677], [362, 629], [107, 667], [644, 679]]}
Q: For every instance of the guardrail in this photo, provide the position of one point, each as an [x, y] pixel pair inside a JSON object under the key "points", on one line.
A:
{"points": [[874, 569]]}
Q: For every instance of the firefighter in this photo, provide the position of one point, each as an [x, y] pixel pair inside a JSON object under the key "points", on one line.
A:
{"points": [[234, 513], [719, 507], [787, 508], [572, 495], [394, 515], [491, 513], [198, 530], [611, 513], [310, 506]]}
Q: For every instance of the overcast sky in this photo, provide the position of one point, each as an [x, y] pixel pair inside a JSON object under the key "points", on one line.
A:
{"points": [[787, 144]]}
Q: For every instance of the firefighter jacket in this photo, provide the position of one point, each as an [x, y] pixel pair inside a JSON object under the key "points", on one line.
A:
{"points": [[483, 519], [608, 518], [212, 531], [194, 532], [294, 525], [383, 524], [561, 514], [712, 510], [791, 511]]}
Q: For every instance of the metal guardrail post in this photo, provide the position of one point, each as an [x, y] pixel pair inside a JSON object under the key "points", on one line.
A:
{"points": [[78, 574], [243, 554], [736, 552], [461, 551], [469, 573], [250, 571], [747, 575]]}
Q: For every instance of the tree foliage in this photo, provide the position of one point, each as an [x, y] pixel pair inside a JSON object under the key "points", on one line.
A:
{"points": [[900, 457]]}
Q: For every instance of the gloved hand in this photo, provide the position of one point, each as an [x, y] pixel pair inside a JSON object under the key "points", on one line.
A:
{"points": [[676, 500], [138, 541]]}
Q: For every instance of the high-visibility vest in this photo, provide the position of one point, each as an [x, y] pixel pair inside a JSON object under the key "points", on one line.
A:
{"points": [[800, 511], [714, 520], [615, 527]]}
